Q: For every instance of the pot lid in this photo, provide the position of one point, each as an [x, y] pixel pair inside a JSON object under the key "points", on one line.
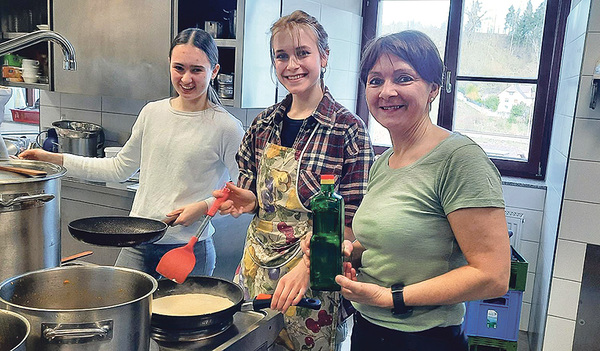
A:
{"points": [[9, 177]]}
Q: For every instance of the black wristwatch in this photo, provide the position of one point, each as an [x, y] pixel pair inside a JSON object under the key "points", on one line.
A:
{"points": [[400, 309]]}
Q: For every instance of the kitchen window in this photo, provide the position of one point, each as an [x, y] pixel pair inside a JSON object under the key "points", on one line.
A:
{"points": [[502, 60]]}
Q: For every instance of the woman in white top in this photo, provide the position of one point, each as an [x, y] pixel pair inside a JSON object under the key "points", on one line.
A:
{"points": [[184, 147]]}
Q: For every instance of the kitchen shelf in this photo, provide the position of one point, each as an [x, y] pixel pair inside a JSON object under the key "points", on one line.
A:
{"points": [[228, 43], [25, 85], [12, 35]]}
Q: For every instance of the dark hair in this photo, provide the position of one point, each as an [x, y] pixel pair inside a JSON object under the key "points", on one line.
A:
{"points": [[412, 46], [292, 23], [203, 41]]}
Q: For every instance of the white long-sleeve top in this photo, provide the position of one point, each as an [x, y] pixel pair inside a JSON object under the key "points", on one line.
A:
{"points": [[182, 158]]}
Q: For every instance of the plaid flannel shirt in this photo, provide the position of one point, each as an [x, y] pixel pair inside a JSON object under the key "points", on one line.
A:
{"points": [[340, 146]]}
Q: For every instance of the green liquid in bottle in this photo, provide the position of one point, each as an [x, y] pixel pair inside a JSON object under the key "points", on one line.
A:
{"points": [[326, 241]]}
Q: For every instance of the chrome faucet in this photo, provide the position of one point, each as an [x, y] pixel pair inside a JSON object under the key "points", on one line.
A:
{"points": [[38, 36]]}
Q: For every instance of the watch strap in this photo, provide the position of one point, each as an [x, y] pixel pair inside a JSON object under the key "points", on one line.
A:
{"points": [[400, 309]]}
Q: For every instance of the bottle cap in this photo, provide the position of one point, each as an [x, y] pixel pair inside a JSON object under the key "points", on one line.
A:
{"points": [[326, 178]]}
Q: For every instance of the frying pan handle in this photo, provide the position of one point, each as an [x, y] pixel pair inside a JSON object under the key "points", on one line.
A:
{"points": [[76, 256], [170, 220], [264, 301], [261, 301], [313, 304]]}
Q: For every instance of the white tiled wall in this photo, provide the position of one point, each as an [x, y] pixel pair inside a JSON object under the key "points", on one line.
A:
{"points": [[559, 334], [569, 260], [528, 199], [581, 205]]}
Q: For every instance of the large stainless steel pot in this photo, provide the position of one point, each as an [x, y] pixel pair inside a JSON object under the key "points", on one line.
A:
{"points": [[29, 218], [98, 308], [14, 330]]}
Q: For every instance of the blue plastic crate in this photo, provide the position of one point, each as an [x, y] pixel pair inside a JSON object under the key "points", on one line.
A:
{"points": [[495, 318]]}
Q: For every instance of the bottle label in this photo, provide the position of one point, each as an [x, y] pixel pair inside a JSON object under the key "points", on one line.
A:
{"points": [[492, 319]]}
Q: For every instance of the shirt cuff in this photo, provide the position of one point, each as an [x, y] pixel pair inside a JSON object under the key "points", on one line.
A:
{"points": [[209, 201]]}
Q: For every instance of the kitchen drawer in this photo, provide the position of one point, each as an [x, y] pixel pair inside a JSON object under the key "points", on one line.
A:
{"points": [[98, 194], [80, 199]]}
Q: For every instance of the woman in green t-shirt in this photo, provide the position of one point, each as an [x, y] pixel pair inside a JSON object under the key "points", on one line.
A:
{"points": [[431, 231]]}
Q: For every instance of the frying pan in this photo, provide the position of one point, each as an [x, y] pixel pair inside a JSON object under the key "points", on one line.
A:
{"points": [[213, 286], [117, 230]]}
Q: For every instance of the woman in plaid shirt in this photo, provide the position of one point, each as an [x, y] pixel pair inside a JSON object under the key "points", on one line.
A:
{"points": [[284, 152]]}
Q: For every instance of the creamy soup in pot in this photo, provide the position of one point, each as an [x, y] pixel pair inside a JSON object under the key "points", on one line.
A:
{"points": [[190, 304]]}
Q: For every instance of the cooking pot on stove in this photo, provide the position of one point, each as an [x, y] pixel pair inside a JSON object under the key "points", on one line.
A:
{"points": [[82, 308], [29, 217], [14, 330], [79, 138]]}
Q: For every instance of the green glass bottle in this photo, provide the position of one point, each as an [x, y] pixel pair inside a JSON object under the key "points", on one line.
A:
{"points": [[327, 237]]}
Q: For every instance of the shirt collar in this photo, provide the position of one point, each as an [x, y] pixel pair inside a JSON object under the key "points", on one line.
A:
{"points": [[323, 114]]}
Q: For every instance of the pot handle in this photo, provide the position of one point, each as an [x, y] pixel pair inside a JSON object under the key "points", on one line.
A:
{"points": [[63, 333], [26, 198], [100, 145], [37, 138]]}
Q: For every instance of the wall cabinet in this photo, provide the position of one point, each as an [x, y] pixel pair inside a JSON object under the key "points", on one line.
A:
{"points": [[16, 19], [121, 47]]}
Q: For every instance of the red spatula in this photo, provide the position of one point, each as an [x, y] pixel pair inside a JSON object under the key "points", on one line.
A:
{"points": [[177, 264]]}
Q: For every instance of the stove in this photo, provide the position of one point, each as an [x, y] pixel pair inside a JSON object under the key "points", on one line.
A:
{"points": [[250, 331]]}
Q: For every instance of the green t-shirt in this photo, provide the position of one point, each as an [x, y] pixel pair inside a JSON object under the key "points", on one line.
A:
{"points": [[403, 226]]}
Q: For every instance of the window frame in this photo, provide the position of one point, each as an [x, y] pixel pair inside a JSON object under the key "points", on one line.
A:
{"points": [[546, 83]]}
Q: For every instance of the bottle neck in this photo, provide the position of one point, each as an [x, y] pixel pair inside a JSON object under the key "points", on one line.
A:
{"points": [[327, 188]]}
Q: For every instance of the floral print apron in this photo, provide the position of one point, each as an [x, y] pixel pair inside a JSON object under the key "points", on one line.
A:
{"points": [[272, 249]]}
